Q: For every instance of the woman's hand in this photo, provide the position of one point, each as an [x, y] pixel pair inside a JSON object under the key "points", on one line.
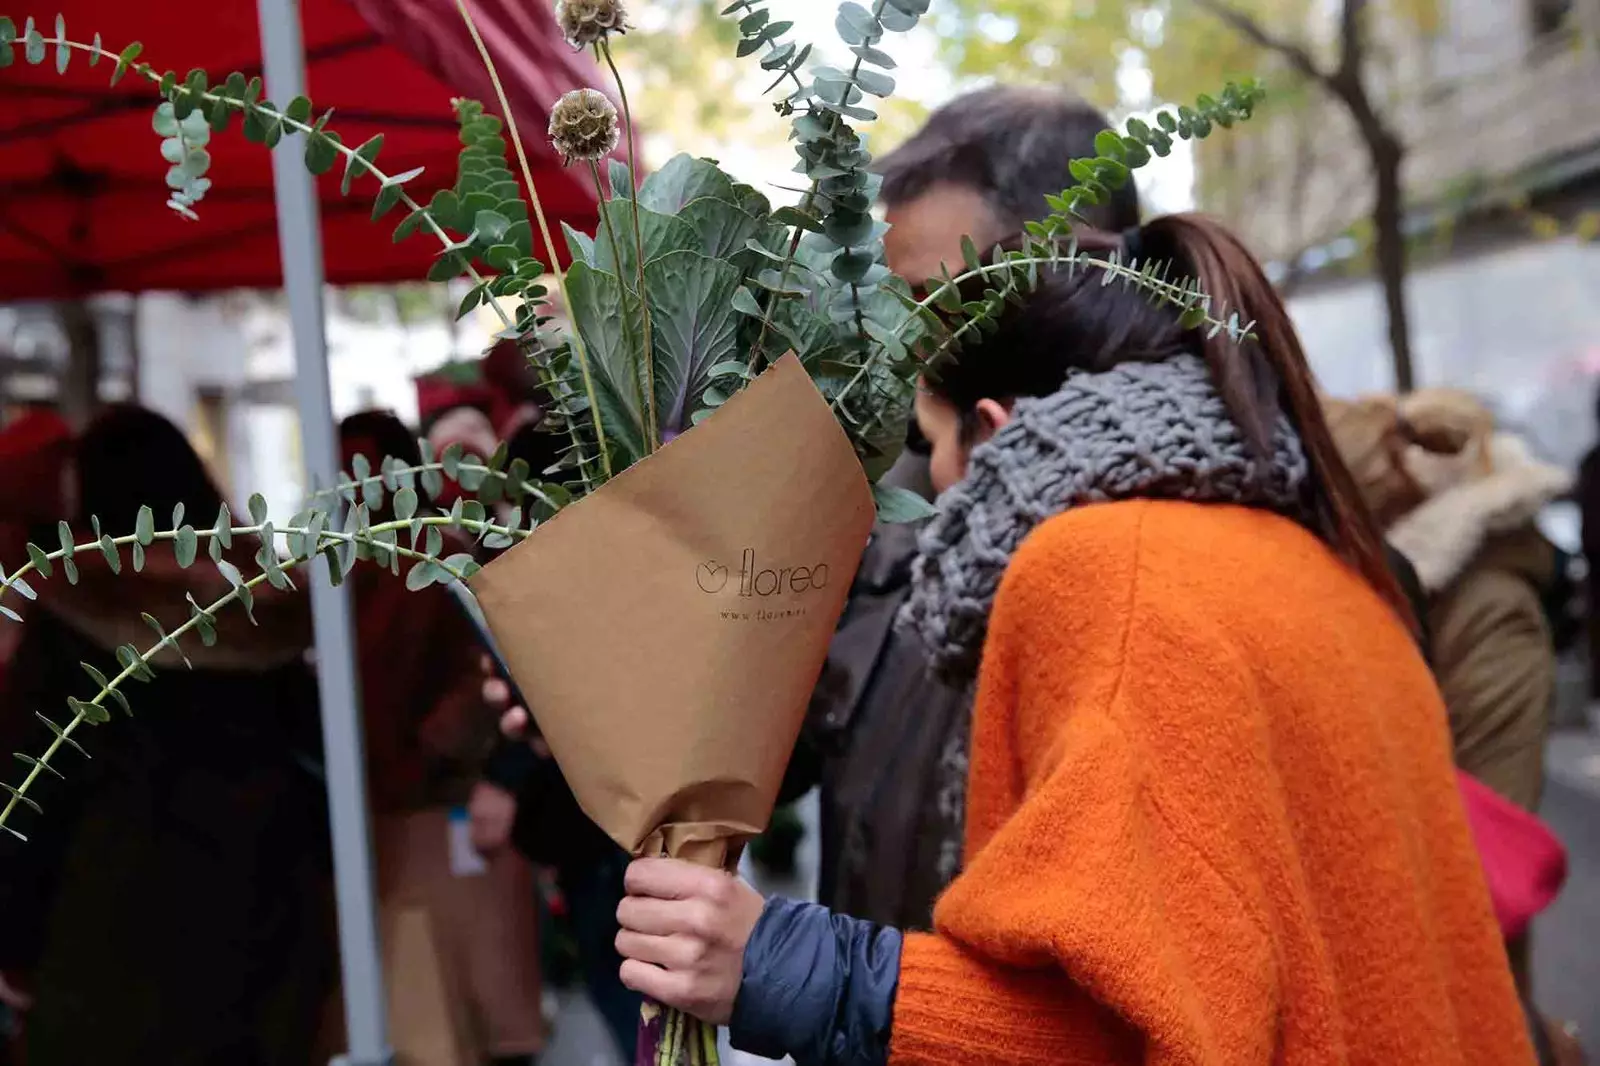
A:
{"points": [[515, 722], [684, 928]]}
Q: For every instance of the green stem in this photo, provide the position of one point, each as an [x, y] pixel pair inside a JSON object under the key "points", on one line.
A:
{"points": [[783, 280], [366, 537], [835, 122], [654, 425], [544, 231]]}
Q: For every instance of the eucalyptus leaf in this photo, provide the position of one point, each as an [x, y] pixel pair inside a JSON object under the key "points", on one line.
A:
{"points": [[897, 506], [185, 546]]}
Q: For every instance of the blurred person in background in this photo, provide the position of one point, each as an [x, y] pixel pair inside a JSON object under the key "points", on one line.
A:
{"points": [[1588, 494], [1459, 499], [35, 489], [171, 905], [428, 737], [887, 740]]}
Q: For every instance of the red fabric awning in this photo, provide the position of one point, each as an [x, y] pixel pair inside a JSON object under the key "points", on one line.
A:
{"points": [[82, 181]]}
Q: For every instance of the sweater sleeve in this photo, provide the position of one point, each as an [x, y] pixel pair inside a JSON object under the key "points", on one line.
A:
{"points": [[1085, 927]]}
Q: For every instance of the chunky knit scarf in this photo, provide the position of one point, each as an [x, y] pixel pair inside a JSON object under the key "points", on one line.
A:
{"points": [[1138, 431]]}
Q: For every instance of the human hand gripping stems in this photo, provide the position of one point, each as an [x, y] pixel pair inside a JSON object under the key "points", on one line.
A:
{"points": [[688, 245]]}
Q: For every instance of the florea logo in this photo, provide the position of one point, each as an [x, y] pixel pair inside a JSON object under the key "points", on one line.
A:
{"points": [[755, 581]]}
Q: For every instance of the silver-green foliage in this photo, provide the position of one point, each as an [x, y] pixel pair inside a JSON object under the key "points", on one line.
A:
{"points": [[336, 530], [689, 287]]}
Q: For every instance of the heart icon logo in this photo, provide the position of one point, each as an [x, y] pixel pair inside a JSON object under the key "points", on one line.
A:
{"points": [[712, 577]]}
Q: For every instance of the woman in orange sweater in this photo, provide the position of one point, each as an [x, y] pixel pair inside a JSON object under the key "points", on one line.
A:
{"points": [[1211, 815]]}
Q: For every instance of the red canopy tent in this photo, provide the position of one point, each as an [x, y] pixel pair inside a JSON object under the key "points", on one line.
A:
{"points": [[82, 195], [82, 181]]}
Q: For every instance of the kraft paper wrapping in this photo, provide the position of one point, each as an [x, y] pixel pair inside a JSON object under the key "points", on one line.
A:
{"points": [[668, 629]]}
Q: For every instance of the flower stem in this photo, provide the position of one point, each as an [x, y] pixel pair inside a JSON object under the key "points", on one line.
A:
{"points": [[654, 425], [544, 231]]}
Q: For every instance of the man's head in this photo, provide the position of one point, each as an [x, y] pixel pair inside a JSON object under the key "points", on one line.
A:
{"points": [[981, 167]]}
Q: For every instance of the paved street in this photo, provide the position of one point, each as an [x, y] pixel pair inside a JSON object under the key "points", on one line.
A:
{"points": [[1566, 951]]}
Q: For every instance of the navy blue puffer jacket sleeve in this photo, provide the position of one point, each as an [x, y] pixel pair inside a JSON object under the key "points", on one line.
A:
{"points": [[817, 986]]}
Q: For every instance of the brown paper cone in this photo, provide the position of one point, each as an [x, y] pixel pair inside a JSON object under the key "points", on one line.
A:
{"points": [[668, 629]]}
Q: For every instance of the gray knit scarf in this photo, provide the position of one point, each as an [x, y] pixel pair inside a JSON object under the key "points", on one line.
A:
{"points": [[1138, 431]]}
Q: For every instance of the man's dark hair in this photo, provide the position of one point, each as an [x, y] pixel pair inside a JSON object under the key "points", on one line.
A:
{"points": [[1011, 144]]}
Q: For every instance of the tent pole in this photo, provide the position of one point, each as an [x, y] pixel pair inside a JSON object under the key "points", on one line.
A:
{"points": [[300, 244]]}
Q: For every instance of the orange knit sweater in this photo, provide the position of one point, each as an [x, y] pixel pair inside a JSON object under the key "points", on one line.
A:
{"points": [[1212, 819]]}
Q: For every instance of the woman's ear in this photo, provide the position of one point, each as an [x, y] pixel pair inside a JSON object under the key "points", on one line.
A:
{"points": [[992, 418]]}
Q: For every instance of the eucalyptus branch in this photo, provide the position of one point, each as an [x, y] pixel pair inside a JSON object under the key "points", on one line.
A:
{"points": [[95, 709], [653, 423], [784, 270], [353, 157], [544, 228], [360, 485], [840, 158], [1014, 270], [137, 665], [757, 30]]}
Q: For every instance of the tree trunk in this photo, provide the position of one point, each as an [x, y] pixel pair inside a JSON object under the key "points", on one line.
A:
{"points": [[1388, 217]]}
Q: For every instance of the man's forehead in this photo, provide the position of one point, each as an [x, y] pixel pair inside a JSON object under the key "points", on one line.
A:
{"points": [[926, 230]]}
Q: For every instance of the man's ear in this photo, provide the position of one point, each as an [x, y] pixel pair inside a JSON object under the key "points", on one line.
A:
{"points": [[992, 418]]}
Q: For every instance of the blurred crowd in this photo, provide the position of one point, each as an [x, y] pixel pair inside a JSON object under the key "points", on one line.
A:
{"points": [[173, 904]]}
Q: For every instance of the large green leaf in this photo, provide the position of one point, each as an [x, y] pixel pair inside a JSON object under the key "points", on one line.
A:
{"points": [[722, 227], [695, 327], [751, 200], [601, 306], [580, 244], [683, 180], [663, 234]]}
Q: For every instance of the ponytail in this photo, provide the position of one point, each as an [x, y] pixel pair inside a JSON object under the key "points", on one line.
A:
{"points": [[1267, 374]]}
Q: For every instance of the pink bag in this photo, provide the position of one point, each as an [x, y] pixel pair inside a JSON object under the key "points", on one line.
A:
{"points": [[1525, 863]]}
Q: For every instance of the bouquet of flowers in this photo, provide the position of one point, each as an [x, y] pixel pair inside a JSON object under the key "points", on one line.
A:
{"points": [[735, 381]]}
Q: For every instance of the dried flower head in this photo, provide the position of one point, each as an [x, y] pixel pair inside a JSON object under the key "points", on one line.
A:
{"points": [[583, 125], [586, 22]]}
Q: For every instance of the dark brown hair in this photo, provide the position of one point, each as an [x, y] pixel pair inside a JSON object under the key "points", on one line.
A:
{"points": [[1075, 322], [1011, 144], [130, 457]]}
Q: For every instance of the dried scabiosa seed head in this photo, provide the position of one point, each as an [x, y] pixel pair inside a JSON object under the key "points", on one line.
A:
{"points": [[586, 22], [583, 126]]}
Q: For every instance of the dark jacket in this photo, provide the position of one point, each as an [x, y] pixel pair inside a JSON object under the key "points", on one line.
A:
{"points": [[889, 743], [174, 893]]}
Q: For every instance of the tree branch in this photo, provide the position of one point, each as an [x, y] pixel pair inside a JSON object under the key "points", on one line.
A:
{"points": [[1350, 43], [1297, 55]]}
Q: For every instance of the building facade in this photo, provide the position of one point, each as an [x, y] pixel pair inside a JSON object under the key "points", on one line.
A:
{"points": [[1498, 105]]}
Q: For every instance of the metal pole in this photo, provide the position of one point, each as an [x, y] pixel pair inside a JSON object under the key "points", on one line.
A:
{"points": [[300, 243]]}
